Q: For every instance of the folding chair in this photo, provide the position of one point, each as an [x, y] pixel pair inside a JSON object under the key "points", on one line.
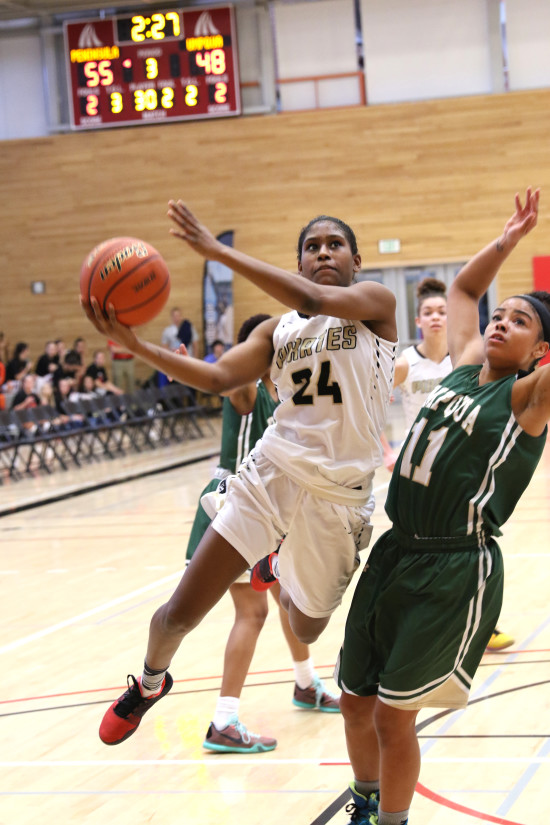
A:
{"points": [[83, 436], [140, 416], [39, 438], [9, 443], [112, 415], [101, 426], [182, 400], [159, 415], [69, 428]]}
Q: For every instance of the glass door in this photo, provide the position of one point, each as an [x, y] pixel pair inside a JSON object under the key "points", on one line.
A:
{"points": [[403, 281]]}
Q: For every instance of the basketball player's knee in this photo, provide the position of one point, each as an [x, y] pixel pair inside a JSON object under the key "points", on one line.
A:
{"points": [[306, 629], [392, 723], [259, 617], [173, 621], [307, 636], [358, 711], [252, 618], [348, 708]]}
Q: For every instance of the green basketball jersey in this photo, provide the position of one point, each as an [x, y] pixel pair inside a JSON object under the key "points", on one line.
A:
{"points": [[465, 462], [241, 432]]}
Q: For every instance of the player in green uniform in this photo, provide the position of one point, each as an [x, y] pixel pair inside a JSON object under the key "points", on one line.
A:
{"points": [[431, 592], [247, 411]]}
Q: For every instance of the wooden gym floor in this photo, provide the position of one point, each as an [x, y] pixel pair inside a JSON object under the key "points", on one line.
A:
{"points": [[80, 577]]}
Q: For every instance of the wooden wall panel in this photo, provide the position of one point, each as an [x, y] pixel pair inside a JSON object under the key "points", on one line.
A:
{"points": [[439, 175]]}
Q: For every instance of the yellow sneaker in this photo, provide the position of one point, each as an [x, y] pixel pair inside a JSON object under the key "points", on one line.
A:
{"points": [[500, 640]]}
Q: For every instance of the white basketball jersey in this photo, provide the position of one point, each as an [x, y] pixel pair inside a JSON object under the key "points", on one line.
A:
{"points": [[422, 377], [334, 379]]}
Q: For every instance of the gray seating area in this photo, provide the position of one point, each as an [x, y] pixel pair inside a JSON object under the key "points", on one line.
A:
{"points": [[43, 440]]}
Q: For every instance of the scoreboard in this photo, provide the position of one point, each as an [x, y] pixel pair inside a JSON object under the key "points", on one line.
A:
{"points": [[152, 67]]}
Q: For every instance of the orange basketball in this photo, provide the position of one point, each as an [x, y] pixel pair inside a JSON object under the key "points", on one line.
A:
{"points": [[129, 274]]}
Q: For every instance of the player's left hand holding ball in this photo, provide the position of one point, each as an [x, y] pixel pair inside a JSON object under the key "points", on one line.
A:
{"points": [[108, 325]]}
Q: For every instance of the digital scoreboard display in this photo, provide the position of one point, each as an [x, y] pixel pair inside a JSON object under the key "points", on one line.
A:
{"points": [[153, 67]]}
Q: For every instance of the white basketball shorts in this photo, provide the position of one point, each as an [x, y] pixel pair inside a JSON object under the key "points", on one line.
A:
{"points": [[321, 540]]}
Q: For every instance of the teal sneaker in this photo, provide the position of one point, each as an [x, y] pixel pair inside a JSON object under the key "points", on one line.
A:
{"points": [[363, 809], [235, 738], [316, 697]]}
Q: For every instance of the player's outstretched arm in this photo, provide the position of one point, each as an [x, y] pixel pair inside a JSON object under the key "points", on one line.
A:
{"points": [[473, 280], [284, 286], [240, 365], [365, 301]]}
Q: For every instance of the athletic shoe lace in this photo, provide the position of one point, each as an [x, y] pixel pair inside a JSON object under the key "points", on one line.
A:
{"points": [[243, 731], [360, 816], [320, 691], [131, 699]]}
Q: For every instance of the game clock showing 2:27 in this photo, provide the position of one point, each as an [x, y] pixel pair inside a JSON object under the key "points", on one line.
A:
{"points": [[153, 67]]}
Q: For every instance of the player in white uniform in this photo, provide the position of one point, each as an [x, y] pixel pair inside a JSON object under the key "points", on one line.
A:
{"points": [[423, 374], [312, 473], [309, 479], [421, 367]]}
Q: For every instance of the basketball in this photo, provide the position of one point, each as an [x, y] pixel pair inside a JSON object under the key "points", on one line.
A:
{"points": [[129, 274]]}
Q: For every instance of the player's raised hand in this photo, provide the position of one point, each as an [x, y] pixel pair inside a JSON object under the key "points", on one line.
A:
{"points": [[525, 217], [189, 229]]}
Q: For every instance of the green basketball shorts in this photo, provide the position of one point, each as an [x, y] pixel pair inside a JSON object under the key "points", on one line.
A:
{"points": [[420, 621]]}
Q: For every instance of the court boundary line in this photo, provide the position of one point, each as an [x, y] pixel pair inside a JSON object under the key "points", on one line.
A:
{"points": [[46, 631], [339, 802], [101, 485]]}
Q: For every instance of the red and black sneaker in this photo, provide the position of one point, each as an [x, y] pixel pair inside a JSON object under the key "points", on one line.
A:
{"points": [[123, 717], [262, 576]]}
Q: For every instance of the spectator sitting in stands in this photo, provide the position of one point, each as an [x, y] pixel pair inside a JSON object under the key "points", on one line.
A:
{"points": [[18, 367], [26, 397], [48, 361], [218, 349], [85, 391], [78, 353], [44, 390], [46, 366], [69, 367], [61, 349], [99, 374], [62, 393], [79, 347]]}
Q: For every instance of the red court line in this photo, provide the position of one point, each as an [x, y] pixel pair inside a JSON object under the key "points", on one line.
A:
{"points": [[176, 682], [441, 800], [506, 652]]}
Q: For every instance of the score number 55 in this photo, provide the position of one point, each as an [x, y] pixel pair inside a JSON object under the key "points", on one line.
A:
{"points": [[98, 73]]}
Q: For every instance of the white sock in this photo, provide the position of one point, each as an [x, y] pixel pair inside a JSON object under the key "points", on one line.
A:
{"points": [[399, 818], [304, 673], [151, 680], [226, 707]]}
